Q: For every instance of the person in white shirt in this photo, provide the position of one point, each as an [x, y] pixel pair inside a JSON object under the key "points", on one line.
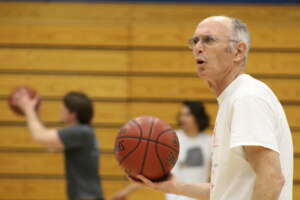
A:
{"points": [[194, 160], [252, 145]]}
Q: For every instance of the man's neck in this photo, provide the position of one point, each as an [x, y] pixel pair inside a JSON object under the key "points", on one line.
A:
{"points": [[219, 85], [71, 123]]}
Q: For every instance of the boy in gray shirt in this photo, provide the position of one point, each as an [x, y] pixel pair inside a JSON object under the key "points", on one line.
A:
{"points": [[77, 140]]}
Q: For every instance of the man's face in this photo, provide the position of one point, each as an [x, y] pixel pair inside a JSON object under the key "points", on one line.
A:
{"points": [[186, 119], [212, 54], [66, 116]]}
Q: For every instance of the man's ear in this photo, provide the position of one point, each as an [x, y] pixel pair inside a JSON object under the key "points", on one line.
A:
{"points": [[74, 116], [240, 52]]}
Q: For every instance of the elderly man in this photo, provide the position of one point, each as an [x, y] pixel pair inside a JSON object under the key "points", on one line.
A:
{"points": [[252, 145]]}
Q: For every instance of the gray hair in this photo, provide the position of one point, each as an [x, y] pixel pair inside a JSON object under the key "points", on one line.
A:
{"points": [[240, 33]]}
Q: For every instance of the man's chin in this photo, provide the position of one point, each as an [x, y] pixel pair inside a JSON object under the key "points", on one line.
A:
{"points": [[202, 74]]}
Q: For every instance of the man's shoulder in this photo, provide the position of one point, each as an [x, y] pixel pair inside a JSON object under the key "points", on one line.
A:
{"points": [[253, 88], [82, 128]]}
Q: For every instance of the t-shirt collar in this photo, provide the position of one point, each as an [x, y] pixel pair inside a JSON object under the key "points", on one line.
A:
{"points": [[230, 88]]}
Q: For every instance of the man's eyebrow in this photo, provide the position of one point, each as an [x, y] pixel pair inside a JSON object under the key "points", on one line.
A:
{"points": [[203, 35]]}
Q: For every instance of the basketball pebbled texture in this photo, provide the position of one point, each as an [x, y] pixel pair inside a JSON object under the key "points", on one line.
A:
{"points": [[148, 146]]}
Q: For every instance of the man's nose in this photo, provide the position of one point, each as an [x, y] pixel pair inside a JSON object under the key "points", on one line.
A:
{"points": [[198, 49]]}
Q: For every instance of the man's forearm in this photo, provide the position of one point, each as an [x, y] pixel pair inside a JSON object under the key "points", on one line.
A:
{"points": [[35, 126], [195, 190], [267, 189], [172, 186], [131, 188]]}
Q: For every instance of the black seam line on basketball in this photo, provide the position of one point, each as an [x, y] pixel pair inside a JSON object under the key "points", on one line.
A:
{"points": [[139, 126], [160, 161], [147, 146], [156, 150], [163, 132], [137, 145], [141, 135], [154, 141]]}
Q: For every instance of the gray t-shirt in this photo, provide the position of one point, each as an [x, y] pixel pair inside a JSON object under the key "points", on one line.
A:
{"points": [[81, 162]]}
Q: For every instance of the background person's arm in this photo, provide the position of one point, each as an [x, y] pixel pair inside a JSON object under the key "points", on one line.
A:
{"points": [[40, 134], [126, 191], [269, 178], [193, 190]]}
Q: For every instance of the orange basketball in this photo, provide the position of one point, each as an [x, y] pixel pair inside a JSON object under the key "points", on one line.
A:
{"points": [[12, 101], [148, 146]]}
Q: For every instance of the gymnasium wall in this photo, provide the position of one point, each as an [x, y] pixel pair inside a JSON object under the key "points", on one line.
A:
{"points": [[131, 59]]}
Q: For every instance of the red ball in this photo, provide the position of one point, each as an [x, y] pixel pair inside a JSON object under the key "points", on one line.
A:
{"points": [[148, 146], [12, 100]]}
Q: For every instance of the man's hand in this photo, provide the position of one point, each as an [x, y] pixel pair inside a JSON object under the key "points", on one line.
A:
{"points": [[24, 102], [167, 186], [193, 190]]}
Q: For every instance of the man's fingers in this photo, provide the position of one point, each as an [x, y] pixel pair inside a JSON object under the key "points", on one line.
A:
{"points": [[145, 180], [131, 179], [36, 99], [22, 93]]}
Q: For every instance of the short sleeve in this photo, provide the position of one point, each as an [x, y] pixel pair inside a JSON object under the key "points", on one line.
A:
{"points": [[72, 137], [253, 124], [209, 146]]}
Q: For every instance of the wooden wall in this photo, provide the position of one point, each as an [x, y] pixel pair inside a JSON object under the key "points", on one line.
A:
{"points": [[131, 59]]}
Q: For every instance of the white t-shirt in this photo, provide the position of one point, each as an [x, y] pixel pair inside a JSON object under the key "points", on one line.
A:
{"points": [[249, 114], [194, 161]]}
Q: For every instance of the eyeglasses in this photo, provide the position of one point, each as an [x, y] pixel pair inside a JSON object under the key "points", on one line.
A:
{"points": [[206, 40]]}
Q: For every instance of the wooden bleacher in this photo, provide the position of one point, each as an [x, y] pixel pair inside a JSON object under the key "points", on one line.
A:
{"points": [[132, 60]]}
